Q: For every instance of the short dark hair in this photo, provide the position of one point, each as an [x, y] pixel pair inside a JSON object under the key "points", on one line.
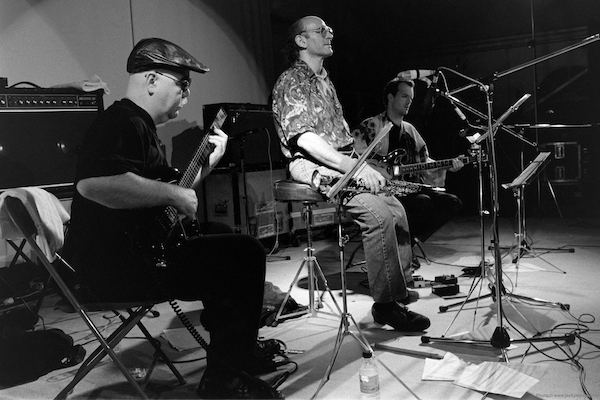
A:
{"points": [[290, 49], [392, 87]]}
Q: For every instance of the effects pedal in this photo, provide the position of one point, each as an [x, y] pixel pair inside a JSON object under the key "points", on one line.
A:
{"points": [[419, 282], [445, 285]]}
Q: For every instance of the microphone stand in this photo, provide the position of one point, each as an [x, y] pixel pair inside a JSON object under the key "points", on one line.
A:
{"points": [[533, 62], [496, 75], [523, 246], [500, 338], [338, 192]]}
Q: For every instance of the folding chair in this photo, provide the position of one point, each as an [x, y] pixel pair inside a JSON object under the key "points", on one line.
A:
{"points": [[23, 221]]}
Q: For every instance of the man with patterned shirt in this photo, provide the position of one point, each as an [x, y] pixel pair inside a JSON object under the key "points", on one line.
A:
{"points": [[426, 211], [312, 129]]}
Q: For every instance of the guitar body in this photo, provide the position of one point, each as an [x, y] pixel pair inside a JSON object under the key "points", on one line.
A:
{"points": [[382, 167], [161, 227]]}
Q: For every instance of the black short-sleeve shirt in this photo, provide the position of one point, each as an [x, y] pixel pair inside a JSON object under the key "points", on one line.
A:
{"points": [[122, 139]]}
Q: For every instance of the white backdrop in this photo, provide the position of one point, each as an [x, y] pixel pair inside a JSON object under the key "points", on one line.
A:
{"points": [[50, 42]]}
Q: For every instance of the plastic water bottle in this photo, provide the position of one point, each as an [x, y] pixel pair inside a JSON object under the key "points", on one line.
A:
{"points": [[137, 373], [369, 377]]}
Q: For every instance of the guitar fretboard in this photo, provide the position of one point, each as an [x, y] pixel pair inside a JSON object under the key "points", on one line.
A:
{"points": [[411, 168], [200, 156]]}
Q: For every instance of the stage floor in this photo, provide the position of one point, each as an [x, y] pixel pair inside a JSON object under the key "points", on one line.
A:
{"points": [[559, 277]]}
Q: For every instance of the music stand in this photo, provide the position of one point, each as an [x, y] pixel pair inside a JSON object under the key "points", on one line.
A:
{"points": [[518, 187], [500, 338], [338, 192]]}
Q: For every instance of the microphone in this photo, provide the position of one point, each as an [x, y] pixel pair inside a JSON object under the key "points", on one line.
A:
{"points": [[411, 74], [461, 115], [431, 95], [464, 122]]}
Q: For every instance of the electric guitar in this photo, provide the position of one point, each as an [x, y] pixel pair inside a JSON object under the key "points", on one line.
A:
{"points": [[391, 167], [164, 228]]}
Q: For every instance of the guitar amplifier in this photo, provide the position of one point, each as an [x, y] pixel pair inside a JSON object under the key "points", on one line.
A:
{"points": [[41, 131], [253, 139], [565, 167]]}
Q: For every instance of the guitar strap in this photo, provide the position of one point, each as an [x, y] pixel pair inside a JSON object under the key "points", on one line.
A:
{"points": [[394, 138], [409, 145]]}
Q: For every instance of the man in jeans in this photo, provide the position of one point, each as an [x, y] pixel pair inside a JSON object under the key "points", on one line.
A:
{"points": [[312, 129]]}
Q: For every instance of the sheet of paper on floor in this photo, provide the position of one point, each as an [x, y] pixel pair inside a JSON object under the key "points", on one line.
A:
{"points": [[493, 377]]}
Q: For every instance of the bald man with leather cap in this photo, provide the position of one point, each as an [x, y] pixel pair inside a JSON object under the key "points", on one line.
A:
{"points": [[118, 200]]}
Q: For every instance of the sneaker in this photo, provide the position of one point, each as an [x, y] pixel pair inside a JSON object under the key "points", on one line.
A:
{"points": [[226, 385], [399, 317], [413, 296]]}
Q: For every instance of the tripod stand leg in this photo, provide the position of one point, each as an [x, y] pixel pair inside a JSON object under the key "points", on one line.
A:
{"points": [[551, 189], [462, 303], [419, 245], [343, 331], [562, 306], [310, 308], [336, 349], [320, 271]]}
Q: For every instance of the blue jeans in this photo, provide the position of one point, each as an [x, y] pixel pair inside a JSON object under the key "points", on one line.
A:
{"points": [[385, 236]]}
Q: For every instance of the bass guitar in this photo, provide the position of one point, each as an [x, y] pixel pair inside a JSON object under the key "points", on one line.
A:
{"points": [[164, 228]]}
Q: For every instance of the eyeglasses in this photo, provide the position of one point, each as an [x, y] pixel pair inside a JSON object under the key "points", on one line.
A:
{"points": [[184, 84], [323, 31]]}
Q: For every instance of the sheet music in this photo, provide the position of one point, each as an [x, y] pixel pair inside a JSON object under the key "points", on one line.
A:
{"points": [[530, 172]]}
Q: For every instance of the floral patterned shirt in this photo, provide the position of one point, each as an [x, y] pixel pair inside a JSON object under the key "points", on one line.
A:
{"points": [[305, 102]]}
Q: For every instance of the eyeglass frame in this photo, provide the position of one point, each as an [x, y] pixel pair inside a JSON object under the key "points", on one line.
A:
{"points": [[183, 83], [323, 31]]}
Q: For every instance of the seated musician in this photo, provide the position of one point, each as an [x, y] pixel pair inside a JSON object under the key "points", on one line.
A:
{"points": [[311, 127], [428, 210], [118, 200]]}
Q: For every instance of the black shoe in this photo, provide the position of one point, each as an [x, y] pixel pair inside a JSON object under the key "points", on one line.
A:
{"points": [[399, 317], [411, 298], [266, 356], [226, 385]]}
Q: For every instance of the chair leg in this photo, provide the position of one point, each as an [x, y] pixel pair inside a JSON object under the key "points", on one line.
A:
{"points": [[160, 354], [101, 351]]}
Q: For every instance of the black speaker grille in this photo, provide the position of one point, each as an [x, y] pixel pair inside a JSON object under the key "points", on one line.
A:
{"points": [[39, 142]]}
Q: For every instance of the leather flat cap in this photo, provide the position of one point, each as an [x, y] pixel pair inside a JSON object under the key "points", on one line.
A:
{"points": [[153, 53]]}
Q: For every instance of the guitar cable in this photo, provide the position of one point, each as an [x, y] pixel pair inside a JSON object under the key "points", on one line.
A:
{"points": [[204, 344]]}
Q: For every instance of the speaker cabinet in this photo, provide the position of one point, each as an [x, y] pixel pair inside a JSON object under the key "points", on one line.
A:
{"points": [[565, 166], [41, 131], [222, 199]]}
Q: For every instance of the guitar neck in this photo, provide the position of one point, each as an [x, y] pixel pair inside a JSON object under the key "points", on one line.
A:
{"points": [[200, 157], [440, 164], [195, 166], [202, 152]]}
